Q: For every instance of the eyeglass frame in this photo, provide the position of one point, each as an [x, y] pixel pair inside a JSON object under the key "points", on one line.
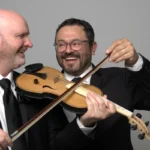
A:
{"points": [[66, 44]]}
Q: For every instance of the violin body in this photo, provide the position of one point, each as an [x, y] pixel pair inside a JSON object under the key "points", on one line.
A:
{"points": [[46, 82]]}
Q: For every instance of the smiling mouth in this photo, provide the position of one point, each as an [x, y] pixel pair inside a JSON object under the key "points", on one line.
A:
{"points": [[71, 59]]}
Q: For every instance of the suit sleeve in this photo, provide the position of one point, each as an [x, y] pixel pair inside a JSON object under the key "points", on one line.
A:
{"points": [[141, 81]]}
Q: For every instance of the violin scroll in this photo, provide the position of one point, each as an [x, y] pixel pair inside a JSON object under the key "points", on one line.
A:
{"points": [[138, 124]]}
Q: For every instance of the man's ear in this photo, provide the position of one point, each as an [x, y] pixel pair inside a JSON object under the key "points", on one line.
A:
{"points": [[94, 47]]}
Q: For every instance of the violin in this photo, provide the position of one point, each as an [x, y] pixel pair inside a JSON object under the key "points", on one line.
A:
{"points": [[44, 81]]}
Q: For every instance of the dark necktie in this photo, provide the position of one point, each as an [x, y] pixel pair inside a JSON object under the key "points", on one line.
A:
{"points": [[12, 112], [76, 79]]}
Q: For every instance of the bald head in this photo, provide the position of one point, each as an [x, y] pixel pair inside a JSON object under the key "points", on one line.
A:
{"points": [[10, 19], [4, 13]]}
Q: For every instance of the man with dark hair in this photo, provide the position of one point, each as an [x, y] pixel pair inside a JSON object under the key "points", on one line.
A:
{"points": [[75, 45]]}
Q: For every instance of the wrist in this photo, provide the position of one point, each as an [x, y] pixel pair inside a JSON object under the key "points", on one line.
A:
{"points": [[87, 123], [131, 62]]}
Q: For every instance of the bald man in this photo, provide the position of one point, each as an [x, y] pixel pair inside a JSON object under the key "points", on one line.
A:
{"points": [[14, 41]]}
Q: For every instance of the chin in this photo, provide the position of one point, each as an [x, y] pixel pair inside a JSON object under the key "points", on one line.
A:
{"points": [[18, 65]]}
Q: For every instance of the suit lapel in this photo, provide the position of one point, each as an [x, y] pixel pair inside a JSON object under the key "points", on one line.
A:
{"points": [[97, 79]]}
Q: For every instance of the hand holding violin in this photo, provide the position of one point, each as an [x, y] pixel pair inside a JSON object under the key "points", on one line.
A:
{"points": [[5, 140], [122, 50], [98, 108]]}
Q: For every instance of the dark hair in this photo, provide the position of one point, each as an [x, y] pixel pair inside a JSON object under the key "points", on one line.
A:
{"points": [[86, 26]]}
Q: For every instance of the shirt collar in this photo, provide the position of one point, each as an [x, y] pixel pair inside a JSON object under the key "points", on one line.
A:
{"points": [[86, 81], [10, 77]]}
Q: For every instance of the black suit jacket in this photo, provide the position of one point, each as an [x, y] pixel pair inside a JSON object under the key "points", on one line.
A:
{"points": [[127, 89]]}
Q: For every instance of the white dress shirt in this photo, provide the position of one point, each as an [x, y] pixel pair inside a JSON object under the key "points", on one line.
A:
{"points": [[71, 116]]}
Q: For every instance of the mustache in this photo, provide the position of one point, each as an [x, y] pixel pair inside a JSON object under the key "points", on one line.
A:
{"points": [[73, 54]]}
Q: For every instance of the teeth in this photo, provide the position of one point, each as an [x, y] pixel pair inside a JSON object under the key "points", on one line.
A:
{"points": [[70, 58]]}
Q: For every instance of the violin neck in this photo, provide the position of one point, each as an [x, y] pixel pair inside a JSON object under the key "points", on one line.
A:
{"points": [[121, 110]]}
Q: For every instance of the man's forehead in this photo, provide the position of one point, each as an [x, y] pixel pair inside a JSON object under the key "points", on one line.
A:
{"points": [[71, 28], [71, 31]]}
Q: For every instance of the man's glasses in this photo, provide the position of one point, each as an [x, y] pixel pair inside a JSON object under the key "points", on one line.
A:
{"points": [[76, 45]]}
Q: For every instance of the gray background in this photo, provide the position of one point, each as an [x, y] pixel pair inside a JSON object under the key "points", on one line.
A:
{"points": [[111, 19]]}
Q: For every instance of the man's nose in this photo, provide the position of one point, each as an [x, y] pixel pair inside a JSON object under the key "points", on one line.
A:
{"points": [[28, 43], [68, 48]]}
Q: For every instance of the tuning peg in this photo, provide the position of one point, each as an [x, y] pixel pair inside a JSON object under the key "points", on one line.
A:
{"points": [[147, 123], [134, 127], [139, 115], [141, 136]]}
